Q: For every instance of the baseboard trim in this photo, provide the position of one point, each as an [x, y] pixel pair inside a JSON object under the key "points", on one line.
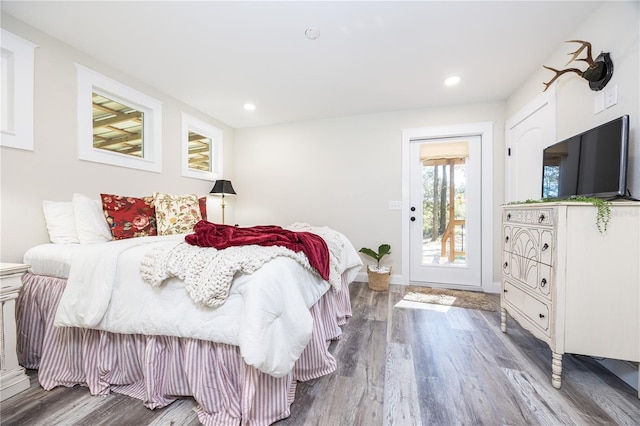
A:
{"points": [[398, 279], [362, 277], [625, 370]]}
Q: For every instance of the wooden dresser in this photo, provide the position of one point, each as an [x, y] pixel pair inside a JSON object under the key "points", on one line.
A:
{"points": [[12, 376], [571, 286]]}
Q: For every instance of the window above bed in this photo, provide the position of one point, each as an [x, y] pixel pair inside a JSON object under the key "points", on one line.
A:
{"points": [[201, 149], [16, 76], [116, 124]]}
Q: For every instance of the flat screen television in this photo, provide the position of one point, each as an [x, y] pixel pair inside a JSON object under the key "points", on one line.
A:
{"points": [[591, 164]]}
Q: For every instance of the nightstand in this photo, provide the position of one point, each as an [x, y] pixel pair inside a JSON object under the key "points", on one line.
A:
{"points": [[12, 376]]}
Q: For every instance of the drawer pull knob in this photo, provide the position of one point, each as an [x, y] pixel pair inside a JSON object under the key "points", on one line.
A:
{"points": [[543, 282], [505, 265], [506, 239], [545, 246], [541, 315], [504, 291], [541, 218]]}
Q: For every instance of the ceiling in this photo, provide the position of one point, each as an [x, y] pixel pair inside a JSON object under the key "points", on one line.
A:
{"points": [[370, 57]]}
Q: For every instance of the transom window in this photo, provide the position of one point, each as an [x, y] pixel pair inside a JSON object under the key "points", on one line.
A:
{"points": [[116, 124], [199, 152], [201, 149], [16, 94], [117, 127]]}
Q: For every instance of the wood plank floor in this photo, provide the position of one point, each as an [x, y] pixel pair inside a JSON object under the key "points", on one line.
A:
{"points": [[396, 366]]}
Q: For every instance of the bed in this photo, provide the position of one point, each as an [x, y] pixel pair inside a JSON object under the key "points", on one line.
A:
{"points": [[89, 314]]}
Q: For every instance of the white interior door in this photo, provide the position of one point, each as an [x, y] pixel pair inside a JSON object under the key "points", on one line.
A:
{"points": [[527, 133], [445, 211]]}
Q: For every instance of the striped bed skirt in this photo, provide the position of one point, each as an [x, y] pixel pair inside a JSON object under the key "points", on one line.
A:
{"points": [[160, 369]]}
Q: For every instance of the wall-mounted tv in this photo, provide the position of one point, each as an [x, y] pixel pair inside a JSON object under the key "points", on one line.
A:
{"points": [[591, 164]]}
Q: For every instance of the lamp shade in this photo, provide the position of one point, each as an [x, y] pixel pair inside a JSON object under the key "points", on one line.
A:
{"points": [[222, 187]]}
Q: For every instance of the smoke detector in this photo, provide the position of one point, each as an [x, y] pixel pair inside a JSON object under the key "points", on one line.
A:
{"points": [[312, 33]]}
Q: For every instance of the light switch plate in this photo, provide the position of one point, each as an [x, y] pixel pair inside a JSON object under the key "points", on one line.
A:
{"points": [[610, 96], [598, 103]]}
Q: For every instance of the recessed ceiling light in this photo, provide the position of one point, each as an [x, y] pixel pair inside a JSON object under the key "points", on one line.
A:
{"points": [[452, 81], [249, 107], [312, 33]]}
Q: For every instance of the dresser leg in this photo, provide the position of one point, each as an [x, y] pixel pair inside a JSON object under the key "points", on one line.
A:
{"points": [[556, 370], [503, 320]]}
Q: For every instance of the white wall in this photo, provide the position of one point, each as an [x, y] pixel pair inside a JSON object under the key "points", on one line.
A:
{"points": [[53, 172], [613, 28], [343, 172]]}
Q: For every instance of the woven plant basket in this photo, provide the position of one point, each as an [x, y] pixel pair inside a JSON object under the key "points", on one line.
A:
{"points": [[378, 281]]}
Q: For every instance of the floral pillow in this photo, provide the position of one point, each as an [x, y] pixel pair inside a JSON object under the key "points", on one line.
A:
{"points": [[176, 214], [129, 217]]}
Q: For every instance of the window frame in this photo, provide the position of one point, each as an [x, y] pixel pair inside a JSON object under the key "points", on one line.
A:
{"points": [[90, 82], [19, 85], [190, 123]]}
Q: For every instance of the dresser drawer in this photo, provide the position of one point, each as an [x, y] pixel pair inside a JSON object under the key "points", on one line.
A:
{"points": [[521, 269], [533, 216], [535, 276], [532, 243], [527, 308]]}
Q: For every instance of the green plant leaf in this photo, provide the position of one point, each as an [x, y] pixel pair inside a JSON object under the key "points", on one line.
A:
{"points": [[383, 250], [369, 252]]}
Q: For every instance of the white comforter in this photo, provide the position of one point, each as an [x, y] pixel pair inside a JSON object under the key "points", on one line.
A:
{"points": [[266, 314]]}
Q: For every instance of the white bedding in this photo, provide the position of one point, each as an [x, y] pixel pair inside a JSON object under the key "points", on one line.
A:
{"points": [[266, 313], [52, 260]]}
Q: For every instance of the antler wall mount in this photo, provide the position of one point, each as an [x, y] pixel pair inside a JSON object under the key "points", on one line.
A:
{"points": [[597, 74]]}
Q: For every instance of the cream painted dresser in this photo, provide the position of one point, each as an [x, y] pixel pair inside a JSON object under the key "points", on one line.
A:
{"points": [[12, 376], [571, 286]]}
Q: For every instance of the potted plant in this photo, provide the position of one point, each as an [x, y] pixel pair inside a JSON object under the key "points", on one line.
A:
{"points": [[378, 276]]}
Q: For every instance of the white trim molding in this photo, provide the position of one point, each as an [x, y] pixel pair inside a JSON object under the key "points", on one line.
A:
{"points": [[90, 82], [17, 91], [485, 131]]}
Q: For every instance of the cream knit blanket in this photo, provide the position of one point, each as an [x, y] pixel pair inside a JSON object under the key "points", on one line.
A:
{"points": [[208, 273]]}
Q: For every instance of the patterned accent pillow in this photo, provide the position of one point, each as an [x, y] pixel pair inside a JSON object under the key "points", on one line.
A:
{"points": [[129, 217], [176, 214]]}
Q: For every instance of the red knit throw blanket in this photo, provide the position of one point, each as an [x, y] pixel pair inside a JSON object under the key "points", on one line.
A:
{"points": [[207, 234]]}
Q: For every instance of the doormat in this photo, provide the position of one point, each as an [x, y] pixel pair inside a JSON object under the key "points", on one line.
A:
{"points": [[457, 298]]}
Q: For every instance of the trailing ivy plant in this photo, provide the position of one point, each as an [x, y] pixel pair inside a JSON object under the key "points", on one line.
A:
{"points": [[603, 214]]}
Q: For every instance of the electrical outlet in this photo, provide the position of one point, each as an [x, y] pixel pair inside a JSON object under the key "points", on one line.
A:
{"points": [[610, 96], [598, 103]]}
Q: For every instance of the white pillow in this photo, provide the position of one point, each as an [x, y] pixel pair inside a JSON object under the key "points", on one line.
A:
{"points": [[61, 222], [91, 225]]}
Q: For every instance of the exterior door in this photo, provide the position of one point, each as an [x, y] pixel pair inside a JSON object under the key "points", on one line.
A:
{"points": [[445, 211]]}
